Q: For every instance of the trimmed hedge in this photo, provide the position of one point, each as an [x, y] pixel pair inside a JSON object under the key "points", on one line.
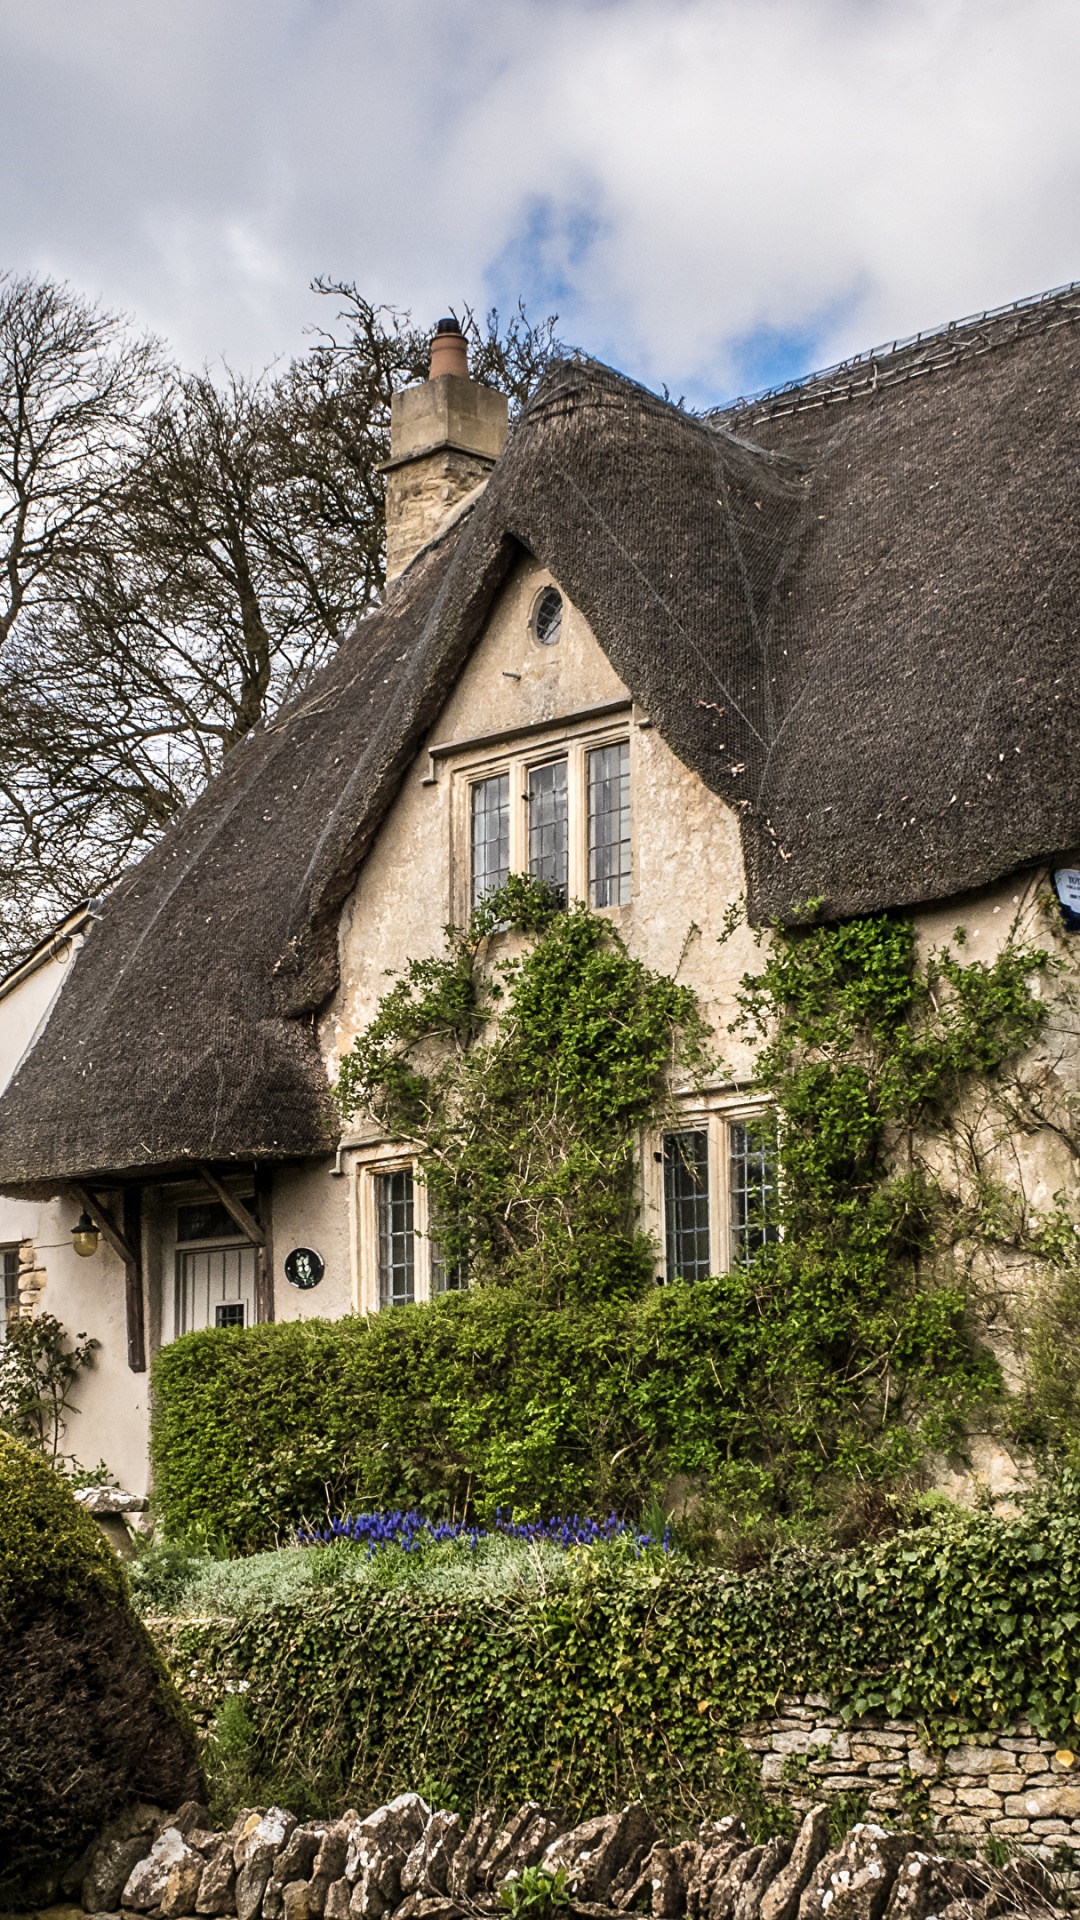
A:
{"points": [[90, 1719], [491, 1398], [627, 1680]]}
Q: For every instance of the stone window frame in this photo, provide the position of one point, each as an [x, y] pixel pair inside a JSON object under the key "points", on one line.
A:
{"points": [[714, 1113], [368, 1162], [568, 739]]}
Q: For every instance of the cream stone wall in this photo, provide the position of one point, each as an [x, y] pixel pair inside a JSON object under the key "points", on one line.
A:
{"points": [[311, 1209], [686, 851], [27, 997]]}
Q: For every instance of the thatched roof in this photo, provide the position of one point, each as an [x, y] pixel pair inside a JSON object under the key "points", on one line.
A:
{"points": [[849, 607]]}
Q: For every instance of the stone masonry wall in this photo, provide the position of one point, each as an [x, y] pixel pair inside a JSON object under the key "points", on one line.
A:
{"points": [[32, 1280], [1016, 1788]]}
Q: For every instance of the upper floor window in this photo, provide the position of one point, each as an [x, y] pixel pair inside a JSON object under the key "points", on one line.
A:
{"points": [[490, 811], [549, 821], [565, 818], [547, 616], [609, 825]]}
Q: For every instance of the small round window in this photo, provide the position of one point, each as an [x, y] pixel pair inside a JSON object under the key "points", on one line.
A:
{"points": [[547, 617]]}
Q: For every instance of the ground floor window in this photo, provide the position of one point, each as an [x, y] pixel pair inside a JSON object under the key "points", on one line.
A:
{"points": [[9, 1287], [686, 1204], [398, 1255], [718, 1199], [397, 1237], [710, 1204], [751, 1191]]}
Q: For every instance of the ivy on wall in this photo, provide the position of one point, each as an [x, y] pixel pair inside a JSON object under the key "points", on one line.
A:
{"points": [[875, 1060], [524, 1080], [631, 1677], [524, 1067]]}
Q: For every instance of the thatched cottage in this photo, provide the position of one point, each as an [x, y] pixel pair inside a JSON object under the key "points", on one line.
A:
{"points": [[821, 645]]}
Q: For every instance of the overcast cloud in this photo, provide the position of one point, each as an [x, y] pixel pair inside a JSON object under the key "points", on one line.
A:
{"points": [[712, 193]]}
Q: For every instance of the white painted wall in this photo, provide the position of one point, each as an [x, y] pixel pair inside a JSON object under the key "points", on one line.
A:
{"points": [[28, 994]]}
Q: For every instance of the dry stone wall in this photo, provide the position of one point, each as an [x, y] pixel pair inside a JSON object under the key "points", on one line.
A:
{"points": [[1016, 1788], [406, 1861]]}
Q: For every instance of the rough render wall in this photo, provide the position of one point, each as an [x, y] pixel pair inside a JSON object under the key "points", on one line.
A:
{"points": [[1016, 1788], [112, 1417], [311, 1209], [688, 860]]}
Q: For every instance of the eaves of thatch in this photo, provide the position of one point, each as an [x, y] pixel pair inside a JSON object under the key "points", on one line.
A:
{"points": [[850, 607]]}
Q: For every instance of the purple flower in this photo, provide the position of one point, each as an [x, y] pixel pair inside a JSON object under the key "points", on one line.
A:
{"points": [[411, 1531]]}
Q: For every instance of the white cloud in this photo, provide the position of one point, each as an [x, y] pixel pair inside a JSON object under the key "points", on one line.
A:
{"points": [[708, 185]]}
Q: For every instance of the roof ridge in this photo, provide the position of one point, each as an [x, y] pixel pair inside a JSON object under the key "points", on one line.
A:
{"points": [[907, 359]]}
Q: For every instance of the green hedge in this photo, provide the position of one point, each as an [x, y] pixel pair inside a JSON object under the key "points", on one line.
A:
{"points": [[492, 1398], [629, 1679]]}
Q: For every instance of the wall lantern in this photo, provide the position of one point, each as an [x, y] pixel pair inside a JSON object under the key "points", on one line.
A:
{"points": [[85, 1236]]}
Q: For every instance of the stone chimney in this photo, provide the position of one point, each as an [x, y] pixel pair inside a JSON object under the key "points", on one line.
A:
{"points": [[445, 437]]}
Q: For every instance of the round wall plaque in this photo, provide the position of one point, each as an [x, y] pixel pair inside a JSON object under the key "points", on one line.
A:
{"points": [[304, 1267]]}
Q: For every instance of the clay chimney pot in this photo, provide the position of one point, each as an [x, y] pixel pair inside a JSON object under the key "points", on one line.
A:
{"points": [[449, 353]]}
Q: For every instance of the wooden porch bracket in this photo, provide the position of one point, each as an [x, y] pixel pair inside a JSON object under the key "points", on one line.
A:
{"points": [[126, 1242], [256, 1228], [264, 1255], [246, 1221]]}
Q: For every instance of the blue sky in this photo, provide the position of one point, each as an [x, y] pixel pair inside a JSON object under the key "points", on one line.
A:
{"points": [[713, 194]]}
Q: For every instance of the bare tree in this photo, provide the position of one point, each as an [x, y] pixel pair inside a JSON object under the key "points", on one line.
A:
{"points": [[245, 534], [73, 385]]}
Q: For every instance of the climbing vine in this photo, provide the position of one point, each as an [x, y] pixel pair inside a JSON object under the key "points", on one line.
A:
{"points": [[881, 1067], [797, 1395], [525, 1076]]}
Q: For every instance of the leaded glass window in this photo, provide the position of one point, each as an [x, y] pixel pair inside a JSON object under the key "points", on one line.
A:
{"points": [[752, 1186], [490, 835], [686, 1204], [548, 825], [9, 1287], [397, 1241], [609, 825]]}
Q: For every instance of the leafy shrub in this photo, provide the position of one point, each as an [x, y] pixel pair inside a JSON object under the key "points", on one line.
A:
{"points": [[534, 1893], [90, 1719], [622, 1675], [843, 1354], [39, 1364]]}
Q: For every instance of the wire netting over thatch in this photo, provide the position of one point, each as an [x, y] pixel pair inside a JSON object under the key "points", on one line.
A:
{"points": [[858, 626]]}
